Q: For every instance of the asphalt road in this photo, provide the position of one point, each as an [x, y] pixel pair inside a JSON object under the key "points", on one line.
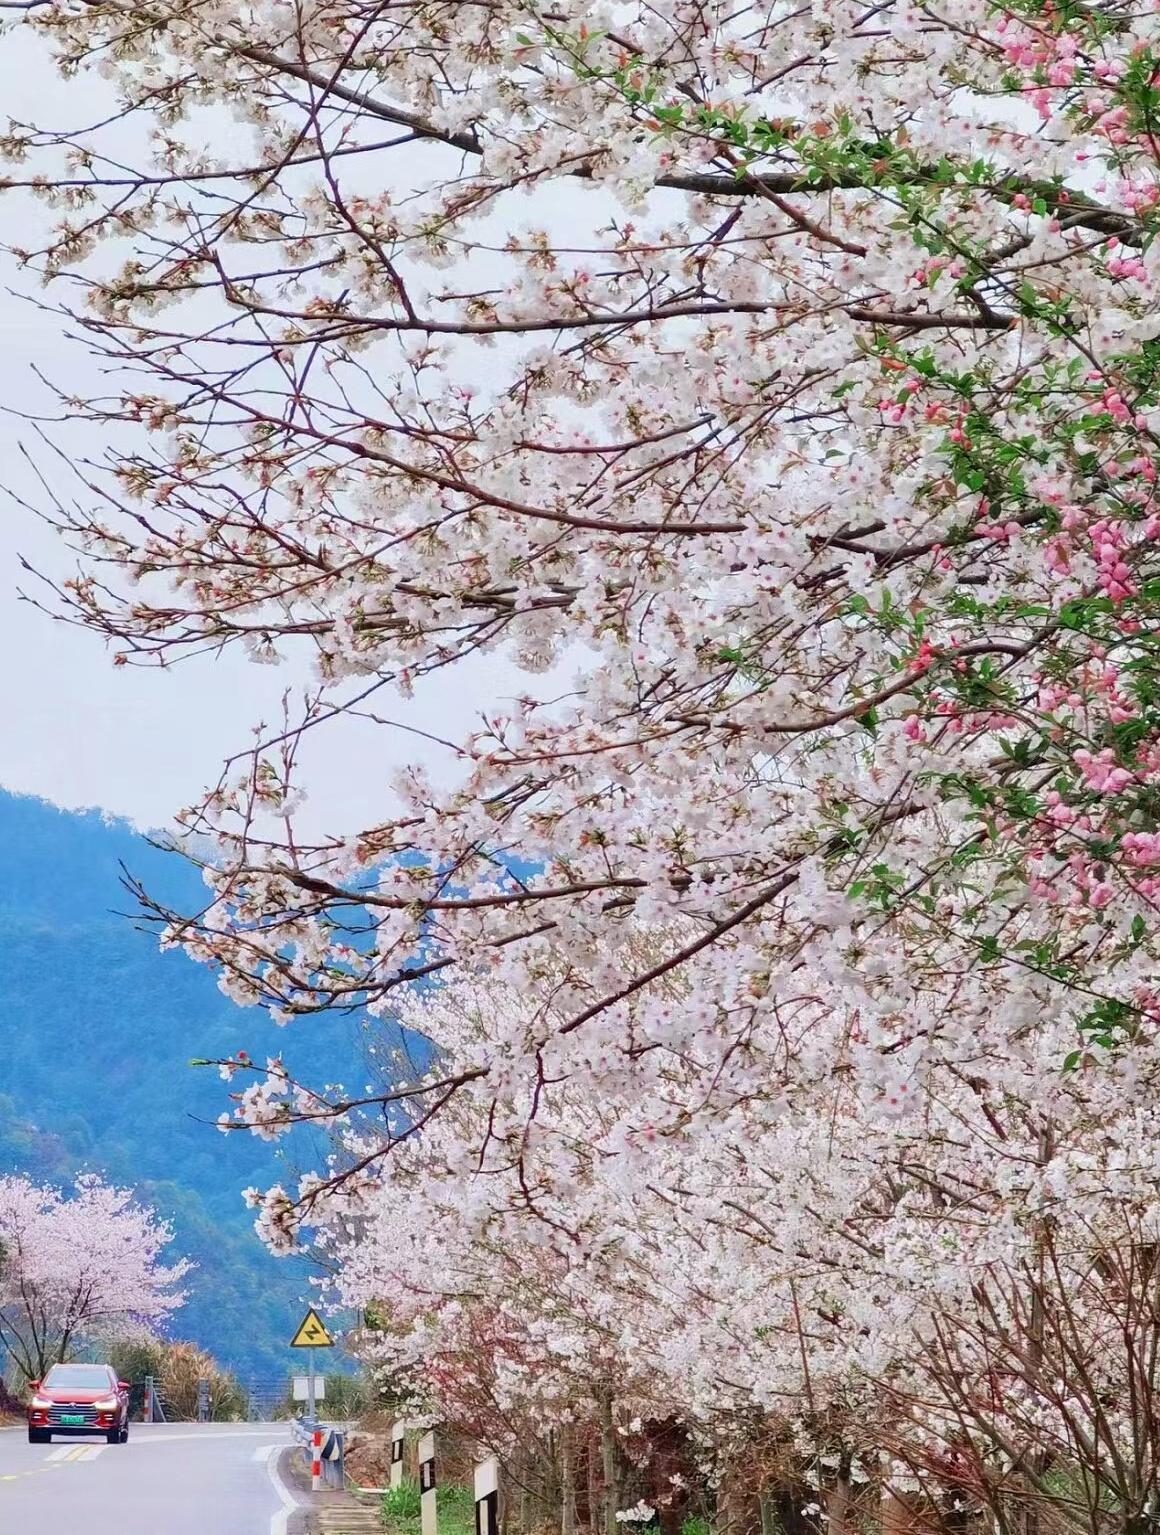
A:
{"points": [[170, 1479]]}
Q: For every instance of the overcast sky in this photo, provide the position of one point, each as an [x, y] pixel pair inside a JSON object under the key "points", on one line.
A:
{"points": [[142, 743]]}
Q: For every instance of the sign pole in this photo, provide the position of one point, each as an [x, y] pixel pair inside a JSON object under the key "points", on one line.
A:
{"points": [[312, 1335]]}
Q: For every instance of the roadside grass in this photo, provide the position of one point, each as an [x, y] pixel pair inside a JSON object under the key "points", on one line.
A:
{"points": [[399, 1510]]}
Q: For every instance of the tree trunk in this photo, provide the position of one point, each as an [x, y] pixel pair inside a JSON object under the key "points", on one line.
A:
{"points": [[838, 1501], [739, 1510], [790, 1501], [591, 1482], [897, 1518], [609, 1464], [1029, 1514], [567, 1483]]}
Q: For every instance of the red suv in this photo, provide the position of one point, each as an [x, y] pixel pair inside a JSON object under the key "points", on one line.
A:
{"points": [[78, 1399]]}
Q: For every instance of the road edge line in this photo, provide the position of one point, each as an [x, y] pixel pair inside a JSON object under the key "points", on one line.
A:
{"points": [[280, 1522]]}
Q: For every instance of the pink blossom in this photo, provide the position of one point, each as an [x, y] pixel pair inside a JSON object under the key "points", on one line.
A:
{"points": [[1100, 772]]}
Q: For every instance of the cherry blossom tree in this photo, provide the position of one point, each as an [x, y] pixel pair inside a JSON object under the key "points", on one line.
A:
{"points": [[972, 1295], [785, 380], [76, 1264], [1035, 1403], [815, 436]]}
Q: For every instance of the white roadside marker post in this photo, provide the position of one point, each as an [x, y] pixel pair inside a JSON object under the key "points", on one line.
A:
{"points": [[398, 1435], [428, 1520], [487, 1497]]}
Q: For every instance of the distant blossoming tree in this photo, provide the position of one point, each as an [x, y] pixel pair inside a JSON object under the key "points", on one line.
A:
{"points": [[75, 1265]]}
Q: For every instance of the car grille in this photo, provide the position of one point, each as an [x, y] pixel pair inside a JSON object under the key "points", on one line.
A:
{"points": [[60, 1410]]}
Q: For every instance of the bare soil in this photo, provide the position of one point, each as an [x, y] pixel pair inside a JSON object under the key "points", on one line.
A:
{"points": [[368, 1458]]}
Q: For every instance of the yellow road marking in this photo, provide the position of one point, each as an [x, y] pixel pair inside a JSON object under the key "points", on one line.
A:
{"points": [[78, 1452]]}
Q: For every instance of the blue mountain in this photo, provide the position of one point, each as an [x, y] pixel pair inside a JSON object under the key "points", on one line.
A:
{"points": [[97, 1031]]}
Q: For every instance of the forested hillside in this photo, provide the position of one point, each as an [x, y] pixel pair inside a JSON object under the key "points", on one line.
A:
{"points": [[97, 1030]]}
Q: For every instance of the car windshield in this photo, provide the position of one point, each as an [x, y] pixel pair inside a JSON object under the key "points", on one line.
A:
{"points": [[77, 1377]]}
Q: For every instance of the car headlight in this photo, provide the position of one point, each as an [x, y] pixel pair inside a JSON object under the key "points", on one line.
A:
{"points": [[106, 1404], [41, 1403]]}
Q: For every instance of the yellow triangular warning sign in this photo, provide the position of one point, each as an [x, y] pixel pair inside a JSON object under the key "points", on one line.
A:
{"points": [[312, 1333]]}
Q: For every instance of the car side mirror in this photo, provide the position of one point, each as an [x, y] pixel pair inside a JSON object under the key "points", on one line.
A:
{"points": [[123, 1385], [34, 1385]]}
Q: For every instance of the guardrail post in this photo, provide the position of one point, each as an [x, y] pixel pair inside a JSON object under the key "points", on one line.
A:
{"points": [[398, 1435], [316, 1459]]}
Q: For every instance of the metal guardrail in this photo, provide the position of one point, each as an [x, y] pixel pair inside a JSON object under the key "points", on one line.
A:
{"points": [[263, 1397], [154, 1411], [267, 1396], [325, 1448]]}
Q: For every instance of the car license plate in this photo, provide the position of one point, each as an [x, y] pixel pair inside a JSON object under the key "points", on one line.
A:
{"points": [[71, 1418]]}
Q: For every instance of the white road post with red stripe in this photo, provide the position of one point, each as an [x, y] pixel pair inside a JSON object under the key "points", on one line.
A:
{"points": [[316, 1461]]}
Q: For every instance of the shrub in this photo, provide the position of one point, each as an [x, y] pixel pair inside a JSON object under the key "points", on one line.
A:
{"points": [[183, 1367], [402, 1502], [456, 1509], [347, 1397]]}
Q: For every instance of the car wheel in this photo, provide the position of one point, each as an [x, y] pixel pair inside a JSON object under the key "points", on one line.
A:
{"points": [[125, 1434], [114, 1436], [38, 1436]]}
